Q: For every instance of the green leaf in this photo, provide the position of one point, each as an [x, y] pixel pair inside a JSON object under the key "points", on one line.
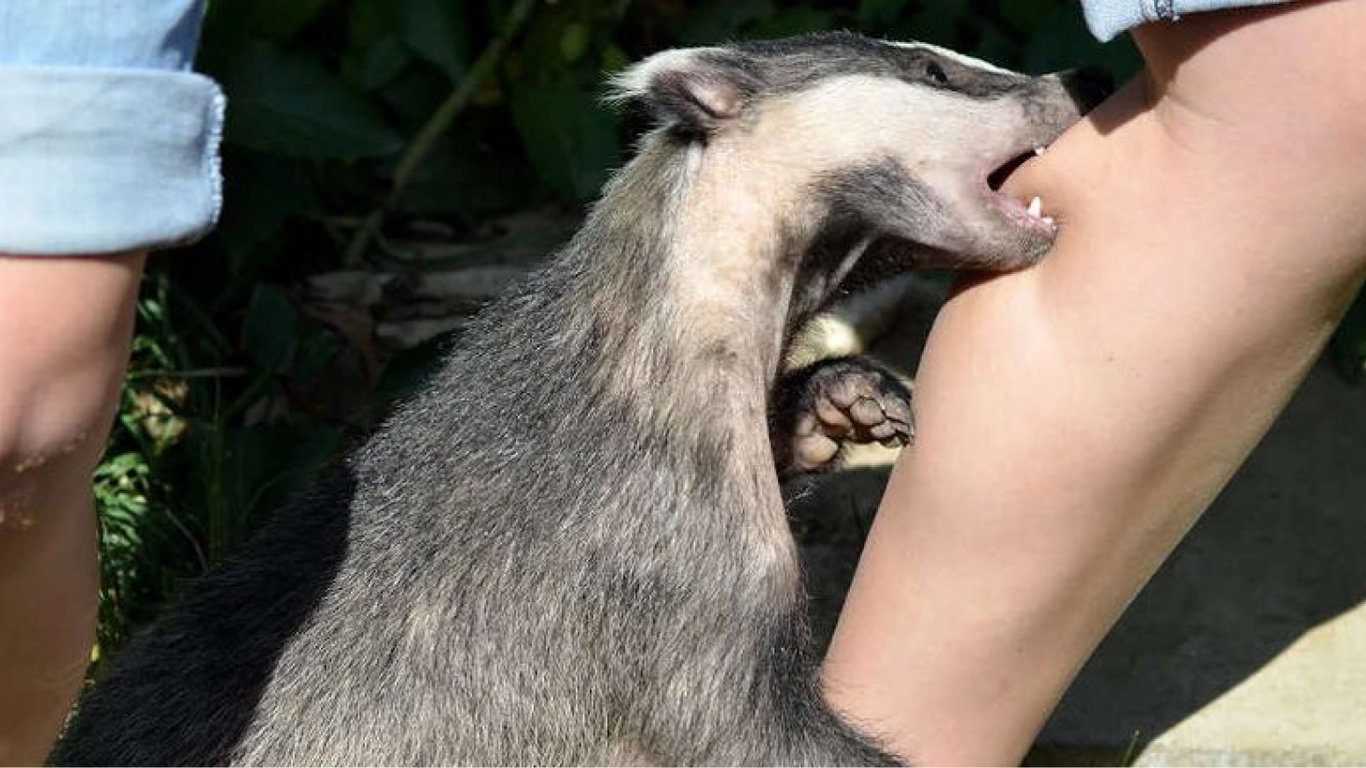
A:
{"points": [[938, 20], [369, 20], [278, 20], [262, 194], [574, 42], [316, 349], [290, 105], [465, 177], [879, 12], [614, 59], [1061, 41], [714, 22], [798, 20], [436, 31], [414, 94], [267, 465], [1026, 15], [377, 64], [995, 47], [272, 326], [569, 137]]}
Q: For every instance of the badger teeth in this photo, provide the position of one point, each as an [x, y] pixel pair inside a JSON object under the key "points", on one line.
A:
{"points": [[1036, 207], [1039, 150]]}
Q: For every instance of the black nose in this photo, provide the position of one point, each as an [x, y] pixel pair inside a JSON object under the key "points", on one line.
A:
{"points": [[1088, 86]]}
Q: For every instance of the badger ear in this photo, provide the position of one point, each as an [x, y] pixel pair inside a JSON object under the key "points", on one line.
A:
{"points": [[696, 89]]}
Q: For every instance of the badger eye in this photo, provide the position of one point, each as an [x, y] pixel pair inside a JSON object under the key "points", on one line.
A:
{"points": [[935, 74]]}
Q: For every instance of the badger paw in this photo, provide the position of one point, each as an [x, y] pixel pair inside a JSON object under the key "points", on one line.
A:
{"points": [[832, 402]]}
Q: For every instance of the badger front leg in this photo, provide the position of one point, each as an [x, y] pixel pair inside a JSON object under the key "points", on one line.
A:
{"points": [[844, 400]]}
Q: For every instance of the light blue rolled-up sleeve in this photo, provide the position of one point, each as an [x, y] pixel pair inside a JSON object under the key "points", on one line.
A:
{"points": [[1107, 18], [108, 141]]}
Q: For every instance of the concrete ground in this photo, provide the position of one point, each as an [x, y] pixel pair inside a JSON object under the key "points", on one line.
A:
{"points": [[1248, 647]]}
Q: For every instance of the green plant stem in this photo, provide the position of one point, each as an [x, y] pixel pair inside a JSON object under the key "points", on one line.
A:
{"points": [[360, 242], [196, 373], [438, 124], [255, 391]]}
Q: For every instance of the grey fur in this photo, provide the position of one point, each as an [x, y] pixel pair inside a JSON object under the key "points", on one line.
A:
{"points": [[570, 548], [774, 67], [795, 63]]}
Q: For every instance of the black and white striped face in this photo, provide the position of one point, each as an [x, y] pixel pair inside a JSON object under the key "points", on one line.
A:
{"points": [[904, 138]]}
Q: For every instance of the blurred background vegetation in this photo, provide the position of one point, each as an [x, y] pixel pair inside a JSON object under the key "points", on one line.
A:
{"points": [[389, 165]]}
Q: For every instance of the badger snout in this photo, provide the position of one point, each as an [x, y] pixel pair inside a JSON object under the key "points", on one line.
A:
{"points": [[1088, 86], [1051, 104]]}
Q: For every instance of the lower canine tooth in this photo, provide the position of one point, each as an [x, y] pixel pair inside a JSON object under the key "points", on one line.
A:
{"points": [[1035, 207], [1039, 150]]}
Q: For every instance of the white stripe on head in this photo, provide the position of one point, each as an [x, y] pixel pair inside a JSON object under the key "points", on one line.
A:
{"points": [[955, 56], [849, 119]]}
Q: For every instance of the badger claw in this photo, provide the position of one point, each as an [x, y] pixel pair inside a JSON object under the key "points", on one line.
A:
{"points": [[832, 402]]}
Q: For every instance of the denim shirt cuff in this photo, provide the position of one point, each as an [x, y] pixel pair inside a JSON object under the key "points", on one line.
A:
{"points": [[1108, 18], [101, 160]]}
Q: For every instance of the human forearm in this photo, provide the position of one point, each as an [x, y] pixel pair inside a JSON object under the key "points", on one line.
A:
{"points": [[65, 325], [1075, 419]]}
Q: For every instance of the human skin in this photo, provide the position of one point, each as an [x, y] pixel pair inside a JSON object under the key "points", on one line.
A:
{"points": [[65, 328], [1076, 418]]}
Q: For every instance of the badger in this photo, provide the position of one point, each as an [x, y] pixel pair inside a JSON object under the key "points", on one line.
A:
{"points": [[571, 546]]}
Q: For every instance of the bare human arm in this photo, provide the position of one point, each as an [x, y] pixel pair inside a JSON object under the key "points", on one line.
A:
{"points": [[1075, 419], [65, 326]]}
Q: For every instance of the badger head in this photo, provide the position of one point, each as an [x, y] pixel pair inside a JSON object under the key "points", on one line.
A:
{"points": [[870, 141]]}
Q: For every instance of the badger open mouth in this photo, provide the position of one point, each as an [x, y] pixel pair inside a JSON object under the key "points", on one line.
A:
{"points": [[998, 177], [1029, 214]]}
